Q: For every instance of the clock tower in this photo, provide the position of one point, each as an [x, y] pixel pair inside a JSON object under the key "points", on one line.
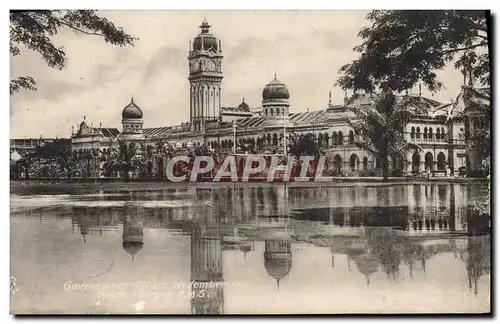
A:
{"points": [[205, 77]]}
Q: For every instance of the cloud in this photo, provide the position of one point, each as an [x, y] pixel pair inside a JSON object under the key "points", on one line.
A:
{"points": [[305, 48], [163, 59]]}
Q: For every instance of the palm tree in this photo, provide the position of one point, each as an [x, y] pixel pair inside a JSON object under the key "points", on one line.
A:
{"points": [[382, 125], [148, 152], [161, 152], [66, 161], [125, 158], [303, 145]]}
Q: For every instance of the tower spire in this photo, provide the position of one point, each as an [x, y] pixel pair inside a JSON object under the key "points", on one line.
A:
{"points": [[330, 97], [132, 99], [275, 76]]}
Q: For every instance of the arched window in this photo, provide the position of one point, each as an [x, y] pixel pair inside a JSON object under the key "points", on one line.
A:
{"points": [[412, 132], [351, 137], [337, 163], [430, 134], [425, 133], [353, 162], [326, 139], [438, 134], [428, 161], [341, 138], [334, 138], [443, 134], [272, 111], [365, 163], [415, 162], [418, 132], [275, 139], [441, 161]]}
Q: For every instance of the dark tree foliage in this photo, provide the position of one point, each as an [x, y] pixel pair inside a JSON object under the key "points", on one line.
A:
{"points": [[34, 30], [402, 48], [382, 125], [303, 145]]}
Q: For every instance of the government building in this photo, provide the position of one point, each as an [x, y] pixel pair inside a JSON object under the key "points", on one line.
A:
{"points": [[441, 132]]}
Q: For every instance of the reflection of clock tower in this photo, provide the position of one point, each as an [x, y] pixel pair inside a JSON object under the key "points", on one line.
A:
{"points": [[207, 279], [205, 76]]}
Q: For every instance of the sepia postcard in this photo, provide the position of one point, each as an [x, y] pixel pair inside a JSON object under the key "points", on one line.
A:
{"points": [[250, 162]]}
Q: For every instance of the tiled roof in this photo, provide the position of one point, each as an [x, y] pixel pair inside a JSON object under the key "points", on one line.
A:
{"points": [[250, 122], [109, 132], [157, 131], [234, 110], [309, 117]]}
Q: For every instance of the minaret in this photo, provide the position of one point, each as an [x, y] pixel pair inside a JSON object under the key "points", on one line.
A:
{"points": [[205, 78]]}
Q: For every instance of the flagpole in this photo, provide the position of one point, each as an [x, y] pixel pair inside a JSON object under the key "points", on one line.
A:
{"points": [[234, 136], [284, 139]]}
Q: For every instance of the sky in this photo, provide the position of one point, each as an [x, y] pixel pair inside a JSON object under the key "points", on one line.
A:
{"points": [[305, 49]]}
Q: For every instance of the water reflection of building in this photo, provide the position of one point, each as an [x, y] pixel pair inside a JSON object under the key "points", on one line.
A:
{"points": [[438, 208], [246, 247], [133, 236], [278, 257], [361, 253], [207, 279], [90, 221], [477, 259], [278, 245]]}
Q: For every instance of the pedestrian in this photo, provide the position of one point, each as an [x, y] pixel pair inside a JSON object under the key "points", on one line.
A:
{"points": [[428, 171]]}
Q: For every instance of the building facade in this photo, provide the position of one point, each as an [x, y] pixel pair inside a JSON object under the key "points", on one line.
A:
{"points": [[440, 132]]}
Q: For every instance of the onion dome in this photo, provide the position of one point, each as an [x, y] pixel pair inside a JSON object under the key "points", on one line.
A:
{"points": [[245, 248], [132, 247], [205, 40], [132, 111], [278, 267], [278, 259], [244, 106], [275, 90]]}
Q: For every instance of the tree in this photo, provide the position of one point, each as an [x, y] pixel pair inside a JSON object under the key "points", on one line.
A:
{"points": [[382, 126], [33, 30], [303, 145], [66, 161], [401, 49], [126, 159]]}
